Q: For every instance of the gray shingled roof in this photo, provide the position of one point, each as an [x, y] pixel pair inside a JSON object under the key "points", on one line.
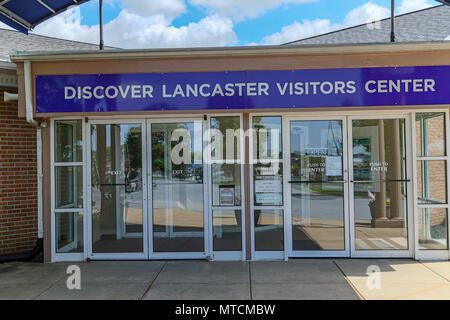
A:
{"points": [[432, 24], [11, 41]]}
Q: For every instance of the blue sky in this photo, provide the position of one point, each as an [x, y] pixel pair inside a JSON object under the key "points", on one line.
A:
{"points": [[192, 23]]}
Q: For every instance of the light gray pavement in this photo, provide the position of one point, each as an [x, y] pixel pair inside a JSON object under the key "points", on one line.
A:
{"points": [[319, 279]]}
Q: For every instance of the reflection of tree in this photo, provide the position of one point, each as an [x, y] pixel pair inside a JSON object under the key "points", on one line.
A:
{"points": [[158, 151], [229, 170], [133, 148], [267, 123]]}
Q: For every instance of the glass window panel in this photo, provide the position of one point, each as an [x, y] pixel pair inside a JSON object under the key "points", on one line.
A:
{"points": [[69, 232], [226, 184], [225, 138], [268, 184], [379, 149], [318, 216], [117, 211], [68, 141], [269, 230], [267, 139], [431, 182], [430, 134], [267, 161], [69, 187], [227, 230], [316, 151], [380, 210], [226, 164], [433, 229]]}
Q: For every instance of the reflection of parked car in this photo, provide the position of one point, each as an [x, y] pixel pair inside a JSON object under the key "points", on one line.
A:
{"points": [[133, 182]]}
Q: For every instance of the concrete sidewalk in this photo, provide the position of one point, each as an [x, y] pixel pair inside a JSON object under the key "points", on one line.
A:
{"points": [[320, 279]]}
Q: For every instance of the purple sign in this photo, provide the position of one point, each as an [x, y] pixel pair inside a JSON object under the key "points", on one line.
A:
{"points": [[268, 89]]}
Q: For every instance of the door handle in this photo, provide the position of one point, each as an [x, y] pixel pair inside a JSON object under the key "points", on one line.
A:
{"points": [[308, 182], [376, 181]]}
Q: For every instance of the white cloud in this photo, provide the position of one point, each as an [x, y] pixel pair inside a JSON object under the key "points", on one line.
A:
{"points": [[68, 26], [241, 9], [145, 8], [130, 30], [297, 31], [413, 5], [366, 13], [5, 26]]}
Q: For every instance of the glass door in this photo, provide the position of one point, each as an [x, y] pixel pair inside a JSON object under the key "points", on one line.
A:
{"points": [[317, 188], [176, 193], [116, 190], [380, 171]]}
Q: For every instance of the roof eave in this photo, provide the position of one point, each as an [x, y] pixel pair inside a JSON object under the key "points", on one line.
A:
{"points": [[230, 51], [7, 65]]}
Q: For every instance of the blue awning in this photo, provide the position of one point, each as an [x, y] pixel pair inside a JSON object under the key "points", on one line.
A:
{"points": [[24, 15]]}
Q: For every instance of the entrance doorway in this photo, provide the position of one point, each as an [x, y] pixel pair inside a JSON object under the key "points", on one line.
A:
{"points": [[348, 189], [320, 187]]}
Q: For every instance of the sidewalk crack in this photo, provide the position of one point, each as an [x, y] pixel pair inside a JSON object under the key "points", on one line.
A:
{"points": [[153, 281], [441, 276], [359, 294]]}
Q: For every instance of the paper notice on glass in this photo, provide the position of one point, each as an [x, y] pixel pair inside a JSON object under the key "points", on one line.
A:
{"points": [[333, 166], [269, 198], [268, 186]]}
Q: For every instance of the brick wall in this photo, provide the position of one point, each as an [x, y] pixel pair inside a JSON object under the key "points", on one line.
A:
{"points": [[18, 181]]}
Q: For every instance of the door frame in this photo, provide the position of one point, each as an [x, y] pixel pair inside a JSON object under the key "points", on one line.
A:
{"points": [[88, 217], [149, 195], [226, 255], [409, 253], [288, 188], [267, 255]]}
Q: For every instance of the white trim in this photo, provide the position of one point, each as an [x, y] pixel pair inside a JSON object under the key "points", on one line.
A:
{"points": [[119, 256], [227, 255], [432, 255], [52, 191], [39, 182], [68, 257], [269, 255], [68, 164]]}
